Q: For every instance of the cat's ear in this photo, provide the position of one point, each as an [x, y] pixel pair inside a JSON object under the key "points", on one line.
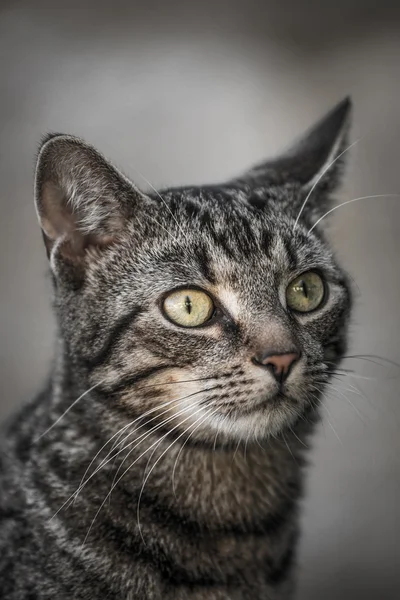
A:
{"points": [[315, 157], [82, 201]]}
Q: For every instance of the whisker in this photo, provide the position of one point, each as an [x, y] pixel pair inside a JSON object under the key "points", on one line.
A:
{"points": [[319, 179], [104, 462], [117, 442], [369, 357], [128, 468], [354, 390], [67, 411], [162, 199], [350, 202], [162, 227], [147, 423], [178, 455], [147, 434], [288, 447], [202, 418], [258, 442], [324, 406], [237, 448], [152, 454], [216, 436], [145, 387], [245, 446], [347, 399], [297, 437], [157, 408], [350, 375], [351, 388], [121, 431]]}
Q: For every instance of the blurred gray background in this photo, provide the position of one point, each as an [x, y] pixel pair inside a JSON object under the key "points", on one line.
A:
{"points": [[196, 92]]}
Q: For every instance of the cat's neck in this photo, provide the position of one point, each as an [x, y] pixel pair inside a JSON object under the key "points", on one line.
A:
{"points": [[230, 486]]}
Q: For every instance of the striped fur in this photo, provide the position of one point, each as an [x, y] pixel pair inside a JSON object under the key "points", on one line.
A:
{"points": [[177, 473]]}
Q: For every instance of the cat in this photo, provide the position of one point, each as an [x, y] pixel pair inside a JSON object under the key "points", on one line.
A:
{"points": [[197, 329]]}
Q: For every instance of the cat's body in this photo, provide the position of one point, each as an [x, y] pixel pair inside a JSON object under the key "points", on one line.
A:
{"points": [[215, 423]]}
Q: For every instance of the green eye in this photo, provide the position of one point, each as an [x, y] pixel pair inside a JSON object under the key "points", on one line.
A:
{"points": [[188, 308], [305, 293]]}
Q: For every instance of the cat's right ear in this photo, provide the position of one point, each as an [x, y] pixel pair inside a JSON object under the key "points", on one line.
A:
{"points": [[82, 201]]}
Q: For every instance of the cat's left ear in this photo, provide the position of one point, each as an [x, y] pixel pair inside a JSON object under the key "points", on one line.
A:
{"points": [[315, 157]]}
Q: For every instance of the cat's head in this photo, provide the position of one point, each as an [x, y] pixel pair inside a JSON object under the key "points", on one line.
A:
{"points": [[210, 309]]}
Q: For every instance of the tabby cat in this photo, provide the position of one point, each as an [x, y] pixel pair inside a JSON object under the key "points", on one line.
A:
{"points": [[197, 328]]}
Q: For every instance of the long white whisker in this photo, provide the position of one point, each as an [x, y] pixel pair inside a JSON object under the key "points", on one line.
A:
{"points": [[369, 357], [158, 408], [67, 411], [237, 448], [346, 398], [350, 202], [324, 406], [180, 451], [128, 468], [319, 179], [223, 420], [117, 442], [297, 437], [258, 442], [120, 431], [245, 446], [146, 423], [143, 436], [105, 462], [350, 375], [147, 434], [289, 448], [202, 418]]}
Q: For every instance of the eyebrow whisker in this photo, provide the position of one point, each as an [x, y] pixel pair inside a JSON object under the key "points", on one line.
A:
{"points": [[350, 202], [319, 179]]}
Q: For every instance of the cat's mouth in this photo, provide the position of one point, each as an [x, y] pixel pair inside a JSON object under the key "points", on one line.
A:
{"points": [[264, 405], [270, 402], [264, 415]]}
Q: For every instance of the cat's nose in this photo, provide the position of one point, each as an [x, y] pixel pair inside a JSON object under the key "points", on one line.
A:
{"points": [[279, 365]]}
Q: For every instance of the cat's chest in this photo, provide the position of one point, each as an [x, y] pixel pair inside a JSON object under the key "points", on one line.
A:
{"points": [[240, 492], [219, 565]]}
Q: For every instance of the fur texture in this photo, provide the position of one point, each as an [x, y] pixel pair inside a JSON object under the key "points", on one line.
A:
{"points": [[164, 462]]}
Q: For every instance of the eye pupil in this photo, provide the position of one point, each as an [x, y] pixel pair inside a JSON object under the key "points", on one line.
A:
{"points": [[188, 304], [302, 288]]}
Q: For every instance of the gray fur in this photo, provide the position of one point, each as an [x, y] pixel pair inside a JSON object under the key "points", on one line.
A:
{"points": [[219, 453]]}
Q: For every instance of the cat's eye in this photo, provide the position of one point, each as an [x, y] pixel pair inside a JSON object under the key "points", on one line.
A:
{"points": [[188, 308], [305, 293]]}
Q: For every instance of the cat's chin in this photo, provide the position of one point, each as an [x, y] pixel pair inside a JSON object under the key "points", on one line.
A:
{"points": [[265, 418]]}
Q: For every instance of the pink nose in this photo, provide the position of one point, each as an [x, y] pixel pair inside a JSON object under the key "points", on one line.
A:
{"points": [[279, 364]]}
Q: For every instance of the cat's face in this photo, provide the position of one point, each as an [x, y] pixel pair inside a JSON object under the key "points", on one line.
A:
{"points": [[207, 310]]}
